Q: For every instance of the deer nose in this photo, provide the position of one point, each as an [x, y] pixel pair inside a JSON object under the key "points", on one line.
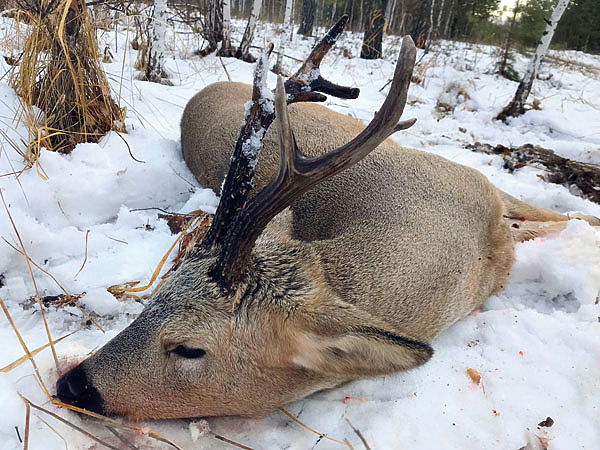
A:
{"points": [[73, 388]]}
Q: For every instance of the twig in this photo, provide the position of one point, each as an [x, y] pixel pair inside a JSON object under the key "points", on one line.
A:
{"points": [[115, 239], [359, 434], [53, 429], [311, 430], [229, 441], [121, 438], [22, 359], [86, 254], [277, 53], [77, 305], [115, 423], [27, 421], [66, 422], [224, 68], [24, 346], [129, 148]]}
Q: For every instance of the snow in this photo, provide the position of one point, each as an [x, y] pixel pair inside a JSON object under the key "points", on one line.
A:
{"points": [[535, 345]]}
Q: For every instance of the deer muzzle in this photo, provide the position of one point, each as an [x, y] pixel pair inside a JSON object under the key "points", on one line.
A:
{"points": [[74, 388]]}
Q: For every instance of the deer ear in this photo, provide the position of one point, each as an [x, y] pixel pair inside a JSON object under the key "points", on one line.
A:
{"points": [[348, 343]]}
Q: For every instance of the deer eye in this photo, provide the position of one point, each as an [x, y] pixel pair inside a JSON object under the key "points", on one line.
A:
{"points": [[188, 352]]}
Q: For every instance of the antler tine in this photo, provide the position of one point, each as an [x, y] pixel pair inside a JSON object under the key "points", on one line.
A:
{"points": [[307, 81], [300, 88], [238, 182], [298, 173]]}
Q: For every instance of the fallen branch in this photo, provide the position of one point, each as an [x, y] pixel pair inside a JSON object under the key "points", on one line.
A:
{"points": [[582, 179]]}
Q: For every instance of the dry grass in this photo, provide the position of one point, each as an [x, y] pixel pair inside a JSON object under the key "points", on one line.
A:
{"points": [[197, 222], [60, 75]]}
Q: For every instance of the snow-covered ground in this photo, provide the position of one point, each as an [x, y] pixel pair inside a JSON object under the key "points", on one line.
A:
{"points": [[536, 345]]}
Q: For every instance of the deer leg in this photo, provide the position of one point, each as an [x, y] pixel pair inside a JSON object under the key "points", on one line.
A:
{"points": [[518, 210], [527, 230]]}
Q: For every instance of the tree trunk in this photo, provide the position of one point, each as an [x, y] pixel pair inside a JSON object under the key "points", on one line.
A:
{"points": [[155, 69], [430, 29], [361, 16], [371, 46], [450, 14], [439, 19], [212, 28], [389, 13], [308, 17], [503, 65], [421, 24], [243, 51], [517, 106], [285, 28], [401, 26], [321, 13], [333, 8], [226, 49]]}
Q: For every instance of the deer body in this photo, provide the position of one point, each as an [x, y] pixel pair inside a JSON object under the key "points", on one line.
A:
{"points": [[409, 237], [346, 260]]}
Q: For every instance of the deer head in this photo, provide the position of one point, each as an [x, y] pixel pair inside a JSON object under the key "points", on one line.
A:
{"points": [[248, 323]]}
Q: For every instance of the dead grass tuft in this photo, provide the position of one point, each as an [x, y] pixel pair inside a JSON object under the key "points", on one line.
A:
{"points": [[60, 74]]}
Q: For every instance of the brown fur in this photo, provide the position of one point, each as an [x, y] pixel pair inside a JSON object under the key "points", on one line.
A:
{"points": [[354, 280]]}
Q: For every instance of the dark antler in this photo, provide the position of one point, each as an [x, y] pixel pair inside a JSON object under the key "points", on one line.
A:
{"points": [[300, 88], [298, 173], [307, 81]]}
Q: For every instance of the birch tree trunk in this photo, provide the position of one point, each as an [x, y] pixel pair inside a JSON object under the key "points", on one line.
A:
{"points": [[430, 29], [286, 26], [450, 14], [439, 18], [155, 69], [333, 8], [401, 26], [226, 42], [243, 51], [517, 106], [389, 11]]}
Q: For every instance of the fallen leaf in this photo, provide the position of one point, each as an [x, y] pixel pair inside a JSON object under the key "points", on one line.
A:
{"points": [[474, 375]]}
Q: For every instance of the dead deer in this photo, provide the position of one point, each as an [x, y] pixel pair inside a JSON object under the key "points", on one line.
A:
{"points": [[315, 279]]}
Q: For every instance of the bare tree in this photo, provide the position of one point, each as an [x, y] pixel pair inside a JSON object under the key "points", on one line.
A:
{"points": [[286, 27], [504, 65], [389, 14], [421, 23], [308, 17], [243, 51], [439, 18], [373, 37], [226, 49], [430, 29], [155, 69], [517, 106], [212, 24]]}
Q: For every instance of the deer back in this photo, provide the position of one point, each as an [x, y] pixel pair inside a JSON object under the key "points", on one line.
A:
{"points": [[408, 236]]}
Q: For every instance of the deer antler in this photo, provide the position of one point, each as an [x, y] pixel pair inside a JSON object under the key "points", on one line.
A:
{"points": [[307, 81], [298, 173], [300, 88]]}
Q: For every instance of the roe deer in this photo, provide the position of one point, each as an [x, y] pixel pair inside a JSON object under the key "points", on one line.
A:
{"points": [[314, 280]]}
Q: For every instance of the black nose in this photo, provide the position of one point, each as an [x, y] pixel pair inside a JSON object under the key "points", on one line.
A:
{"points": [[73, 388]]}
